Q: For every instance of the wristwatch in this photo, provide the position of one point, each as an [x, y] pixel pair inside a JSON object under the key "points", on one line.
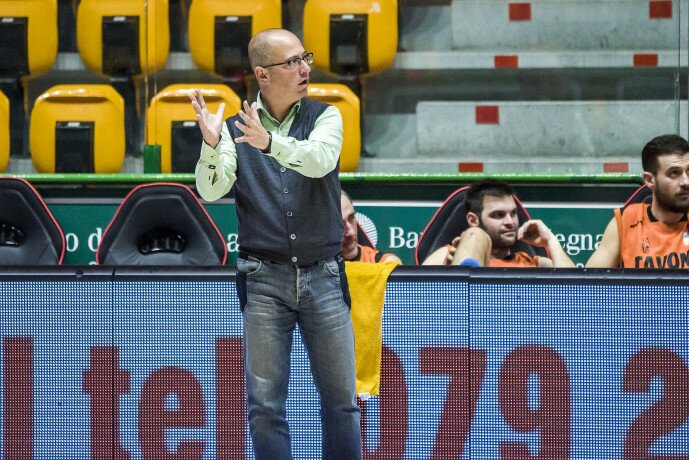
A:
{"points": [[270, 142]]}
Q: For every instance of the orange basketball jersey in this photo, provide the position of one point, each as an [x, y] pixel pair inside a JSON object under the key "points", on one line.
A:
{"points": [[648, 243], [520, 260], [370, 255]]}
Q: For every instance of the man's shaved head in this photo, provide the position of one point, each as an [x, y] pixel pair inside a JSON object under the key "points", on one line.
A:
{"points": [[261, 45]]}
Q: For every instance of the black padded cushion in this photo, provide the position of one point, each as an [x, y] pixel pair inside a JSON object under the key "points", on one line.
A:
{"points": [[450, 221], [29, 233], [161, 224], [642, 194], [362, 237]]}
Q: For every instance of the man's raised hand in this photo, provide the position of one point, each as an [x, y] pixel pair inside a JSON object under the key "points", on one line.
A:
{"points": [[209, 123], [254, 132]]}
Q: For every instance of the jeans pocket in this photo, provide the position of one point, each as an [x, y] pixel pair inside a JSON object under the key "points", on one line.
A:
{"points": [[246, 268], [336, 266], [250, 266], [332, 266], [241, 289]]}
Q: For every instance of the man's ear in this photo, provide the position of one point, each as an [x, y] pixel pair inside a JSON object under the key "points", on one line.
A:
{"points": [[472, 219], [649, 179], [260, 73]]}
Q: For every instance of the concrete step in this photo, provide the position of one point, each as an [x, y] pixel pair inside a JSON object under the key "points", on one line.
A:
{"points": [[567, 25], [574, 129]]}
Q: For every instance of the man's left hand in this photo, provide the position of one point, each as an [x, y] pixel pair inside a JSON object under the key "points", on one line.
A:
{"points": [[535, 233], [254, 132]]}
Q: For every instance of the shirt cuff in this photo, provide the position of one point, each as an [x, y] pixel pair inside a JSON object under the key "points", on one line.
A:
{"points": [[278, 145], [208, 153]]}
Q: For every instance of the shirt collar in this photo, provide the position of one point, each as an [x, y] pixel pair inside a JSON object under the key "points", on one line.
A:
{"points": [[652, 218], [262, 108]]}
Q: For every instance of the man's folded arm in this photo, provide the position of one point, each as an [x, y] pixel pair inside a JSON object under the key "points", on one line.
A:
{"points": [[607, 254], [316, 156]]}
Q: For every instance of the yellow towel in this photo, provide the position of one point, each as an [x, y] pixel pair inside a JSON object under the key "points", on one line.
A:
{"points": [[367, 283]]}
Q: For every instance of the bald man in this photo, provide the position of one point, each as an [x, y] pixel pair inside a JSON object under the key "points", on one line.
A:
{"points": [[281, 154], [351, 249]]}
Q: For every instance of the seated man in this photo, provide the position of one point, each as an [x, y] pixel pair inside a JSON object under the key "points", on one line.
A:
{"points": [[351, 249], [656, 235], [493, 232]]}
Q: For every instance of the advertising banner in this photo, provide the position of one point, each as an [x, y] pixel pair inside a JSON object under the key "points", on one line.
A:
{"points": [[495, 365], [394, 226]]}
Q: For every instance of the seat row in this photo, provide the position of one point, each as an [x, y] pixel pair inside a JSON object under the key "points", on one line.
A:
{"points": [[156, 224], [166, 224], [132, 37], [81, 128]]}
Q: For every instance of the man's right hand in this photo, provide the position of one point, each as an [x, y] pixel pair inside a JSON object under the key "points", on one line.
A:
{"points": [[209, 123], [451, 250]]}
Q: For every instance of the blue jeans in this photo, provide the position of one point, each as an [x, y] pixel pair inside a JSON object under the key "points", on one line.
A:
{"points": [[275, 298]]}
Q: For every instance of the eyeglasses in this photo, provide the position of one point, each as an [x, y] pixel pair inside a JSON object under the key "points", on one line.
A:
{"points": [[293, 63]]}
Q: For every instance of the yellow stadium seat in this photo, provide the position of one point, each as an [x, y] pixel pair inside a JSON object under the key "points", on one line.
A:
{"points": [[355, 37], [78, 128], [220, 30], [344, 99], [4, 131], [172, 123], [123, 37], [28, 47], [28, 37]]}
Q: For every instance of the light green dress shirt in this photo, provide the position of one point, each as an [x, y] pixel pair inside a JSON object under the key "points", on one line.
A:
{"points": [[216, 170]]}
